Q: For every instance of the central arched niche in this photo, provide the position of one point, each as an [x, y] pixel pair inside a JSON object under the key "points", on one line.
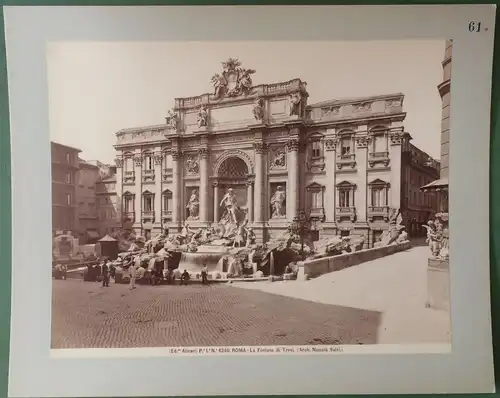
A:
{"points": [[233, 167]]}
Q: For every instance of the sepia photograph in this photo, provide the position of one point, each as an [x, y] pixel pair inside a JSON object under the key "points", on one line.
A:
{"points": [[249, 194], [194, 195]]}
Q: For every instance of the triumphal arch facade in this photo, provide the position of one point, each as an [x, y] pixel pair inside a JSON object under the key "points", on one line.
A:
{"points": [[273, 153]]}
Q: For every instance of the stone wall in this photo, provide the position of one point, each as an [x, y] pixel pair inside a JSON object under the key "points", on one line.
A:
{"points": [[320, 266]]}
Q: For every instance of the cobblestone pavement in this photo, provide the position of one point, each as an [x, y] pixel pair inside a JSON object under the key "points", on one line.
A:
{"points": [[395, 286], [86, 315]]}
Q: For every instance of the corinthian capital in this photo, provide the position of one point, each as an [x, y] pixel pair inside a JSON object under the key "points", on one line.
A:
{"points": [[176, 153], [292, 145], [203, 152], [260, 147]]}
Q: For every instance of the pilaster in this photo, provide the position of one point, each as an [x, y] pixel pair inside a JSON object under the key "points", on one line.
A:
{"points": [[395, 149], [360, 196], [250, 201], [215, 185], [204, 193], [330, 191], [292, 197], [138, 192], [177, 185], [119, 189], [158, 157], [260, 204]]}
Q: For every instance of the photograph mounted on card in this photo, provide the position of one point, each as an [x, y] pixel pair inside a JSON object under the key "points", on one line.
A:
{"points": [[211, 199]]}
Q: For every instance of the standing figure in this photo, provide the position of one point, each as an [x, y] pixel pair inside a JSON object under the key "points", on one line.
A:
{"points": [[432, 238], [193, 205], [132, 273], [295, 101], [105, 273], [202, 117], [231, 205], [204, 275], [278, 203]]}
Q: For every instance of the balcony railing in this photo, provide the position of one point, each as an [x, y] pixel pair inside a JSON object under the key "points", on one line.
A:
{"points": [[148, 216], [345, 212], [149, 172], [129, 176], [378, 157], [378, 211], [348, 159], [130, 215]]}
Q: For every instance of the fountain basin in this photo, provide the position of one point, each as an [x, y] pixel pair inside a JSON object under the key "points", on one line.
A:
{"points": [[208, 255]]}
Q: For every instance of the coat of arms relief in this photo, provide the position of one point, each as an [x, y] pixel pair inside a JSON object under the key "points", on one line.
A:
{"points": [[233, 81]]}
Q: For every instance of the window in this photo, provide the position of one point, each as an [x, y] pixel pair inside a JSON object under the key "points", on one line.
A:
{"points": [[128, 164], [128, 204], [316, 200], [69, 178], [379, 143], [148, 203], [345, 146], [167, 201], [68, 157], [379, 192], [148, 162], [316, 150], [69, 200], [344, 198]]}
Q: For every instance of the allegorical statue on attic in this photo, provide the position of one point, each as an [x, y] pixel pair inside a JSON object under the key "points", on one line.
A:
{"points": [[233, 81]]}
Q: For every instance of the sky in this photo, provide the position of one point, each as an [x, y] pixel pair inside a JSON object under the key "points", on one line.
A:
{"points": [[98, 88]]}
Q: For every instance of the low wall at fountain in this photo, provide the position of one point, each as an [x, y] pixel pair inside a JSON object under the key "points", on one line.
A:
{"points": [[313, 268]]}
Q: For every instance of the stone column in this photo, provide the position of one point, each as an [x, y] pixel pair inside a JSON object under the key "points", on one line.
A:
{"points": [[292, 196], [360, 196], [250, 201], [158, 193], [216, 201], [330, 189], [260, 181], [138, 193], [204, 194], [177, 157]]}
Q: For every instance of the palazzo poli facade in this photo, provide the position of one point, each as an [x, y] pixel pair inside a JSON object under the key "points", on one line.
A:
{"points": [[338, 161]]}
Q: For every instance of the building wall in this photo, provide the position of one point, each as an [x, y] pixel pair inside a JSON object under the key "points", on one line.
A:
{"points": [[87, 203], [64, 163], [107, 205], [444, 91], [418, 169], [152, 164]]}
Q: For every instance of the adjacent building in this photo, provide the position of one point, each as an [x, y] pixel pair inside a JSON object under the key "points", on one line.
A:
{"points": [[440, 186], [418, 169], [64, 164], [344, 162], [106, 198]]}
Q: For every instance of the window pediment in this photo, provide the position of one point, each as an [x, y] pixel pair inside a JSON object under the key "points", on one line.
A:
{"points": [[379, 182], [314, 186], [167, 192], [346, 185], [147, 193], [127, 193]]}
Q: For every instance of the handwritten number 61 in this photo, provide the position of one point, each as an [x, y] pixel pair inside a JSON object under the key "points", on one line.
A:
{"points": [[474, 26]]}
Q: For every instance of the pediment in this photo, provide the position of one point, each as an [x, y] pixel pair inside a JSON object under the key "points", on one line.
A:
{"points": [[146, 192], [378, 181], [128, 193], [345, 184], [314, 186]]}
